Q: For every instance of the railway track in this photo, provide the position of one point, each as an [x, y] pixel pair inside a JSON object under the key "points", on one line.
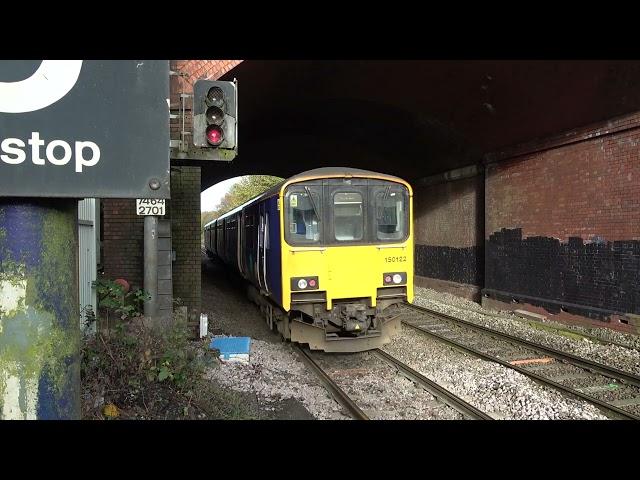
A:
{"points": [[533, 323], [613, 391], [441, 394]]}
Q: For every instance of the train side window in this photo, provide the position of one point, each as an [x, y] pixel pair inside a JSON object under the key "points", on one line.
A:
{"points": [[348, 216], [303, 214], [390, 214]]}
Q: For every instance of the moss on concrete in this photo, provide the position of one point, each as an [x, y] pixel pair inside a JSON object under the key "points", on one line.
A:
{"points": [[41, 331], [557, 330]]}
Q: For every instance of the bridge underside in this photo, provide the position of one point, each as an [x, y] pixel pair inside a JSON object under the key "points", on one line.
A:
{"points": [[549, 220], [412, 118]]}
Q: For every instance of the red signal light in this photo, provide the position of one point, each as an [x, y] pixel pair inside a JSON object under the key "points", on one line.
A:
{"points": [[312, 283], [214, 135], [387, 279]]}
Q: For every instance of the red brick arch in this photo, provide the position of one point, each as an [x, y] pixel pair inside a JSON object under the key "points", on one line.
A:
{"points": [[195, 70]]}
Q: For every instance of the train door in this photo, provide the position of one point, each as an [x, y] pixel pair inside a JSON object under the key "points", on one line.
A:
{"points": [[265, 247], [250, 244], [258, 268], [263, 243], [240, 241]]}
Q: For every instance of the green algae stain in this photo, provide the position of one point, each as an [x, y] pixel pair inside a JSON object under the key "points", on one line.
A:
{"points": [[55, 279], [43, 333], [557, 330], [31, 342]]}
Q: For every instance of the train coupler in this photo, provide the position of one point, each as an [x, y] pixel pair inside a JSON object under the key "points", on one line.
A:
{"points": [[353, 317]]}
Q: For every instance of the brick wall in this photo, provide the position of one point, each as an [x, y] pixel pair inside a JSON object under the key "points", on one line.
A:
{"points": [[185, 233], [122, 240], [563, 223], [587, 189], [449, 238], [123, 237]]}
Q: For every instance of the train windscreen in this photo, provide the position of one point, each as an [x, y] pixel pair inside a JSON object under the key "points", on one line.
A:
{"points": [[321, 213], [303, 214]]}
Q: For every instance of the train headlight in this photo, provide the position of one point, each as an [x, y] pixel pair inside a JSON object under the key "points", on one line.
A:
{"points": [[394, 278], [302, 284]]}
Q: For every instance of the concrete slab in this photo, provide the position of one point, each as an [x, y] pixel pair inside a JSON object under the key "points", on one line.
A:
{"points": [[530, 315]]}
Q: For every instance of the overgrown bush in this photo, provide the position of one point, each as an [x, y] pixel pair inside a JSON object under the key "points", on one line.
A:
{"points": [[131, 370], [144, 374], [114, 302]]}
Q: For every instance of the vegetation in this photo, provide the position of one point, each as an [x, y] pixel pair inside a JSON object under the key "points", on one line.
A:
{"points": [[114, 301], [247, 188], [132, 371]]}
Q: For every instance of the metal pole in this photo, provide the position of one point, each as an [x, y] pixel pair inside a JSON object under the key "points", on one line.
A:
{"points": [[151, 265], [39, 309]]}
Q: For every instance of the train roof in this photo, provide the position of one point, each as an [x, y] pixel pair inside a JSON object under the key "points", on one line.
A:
{"points": [[266, 193], [312, 174], [340, 172]]}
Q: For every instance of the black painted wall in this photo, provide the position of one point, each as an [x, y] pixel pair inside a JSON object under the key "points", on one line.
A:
{"points": [[599, 274], [462, 265]]}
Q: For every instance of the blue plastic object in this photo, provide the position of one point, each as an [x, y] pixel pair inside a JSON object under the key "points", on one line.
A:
{"points": [[231, 346]]}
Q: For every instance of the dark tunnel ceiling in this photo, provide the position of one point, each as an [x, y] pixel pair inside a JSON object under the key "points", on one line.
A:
{"points": [[412, 118]]}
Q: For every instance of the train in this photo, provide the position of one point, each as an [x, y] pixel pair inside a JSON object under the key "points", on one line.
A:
{"points": [[326, 254]]}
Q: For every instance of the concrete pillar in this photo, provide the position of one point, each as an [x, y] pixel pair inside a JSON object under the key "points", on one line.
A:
{"points": [[39, 310]]}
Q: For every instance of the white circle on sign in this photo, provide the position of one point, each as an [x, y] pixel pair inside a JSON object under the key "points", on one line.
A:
{"points": [[52, 81]]}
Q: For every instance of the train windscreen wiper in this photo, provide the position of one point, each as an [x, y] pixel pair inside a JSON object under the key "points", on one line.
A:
{"points": [[380, 211], [313, 204]]}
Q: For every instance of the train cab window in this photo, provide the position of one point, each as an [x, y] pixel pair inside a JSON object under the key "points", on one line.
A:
{"points": [[348, 216], [303, 216], [390, 214]]}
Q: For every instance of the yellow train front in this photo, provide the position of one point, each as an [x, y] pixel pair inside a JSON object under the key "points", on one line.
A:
{"points": [[327, 253]]}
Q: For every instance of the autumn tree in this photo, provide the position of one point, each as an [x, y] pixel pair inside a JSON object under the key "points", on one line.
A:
{"points": [[248, 187]]}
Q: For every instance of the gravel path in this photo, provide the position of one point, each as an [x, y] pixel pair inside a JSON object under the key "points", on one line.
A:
{"points": [[225, 302], [275, 373], [278, 381], [627, 359], [499, 391]]}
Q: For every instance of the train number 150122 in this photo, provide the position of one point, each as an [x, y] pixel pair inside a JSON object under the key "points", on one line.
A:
{"points": [[400, 258]]}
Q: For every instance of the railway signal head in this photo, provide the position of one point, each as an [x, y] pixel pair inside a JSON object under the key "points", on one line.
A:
{"points": [[215, 114]]}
